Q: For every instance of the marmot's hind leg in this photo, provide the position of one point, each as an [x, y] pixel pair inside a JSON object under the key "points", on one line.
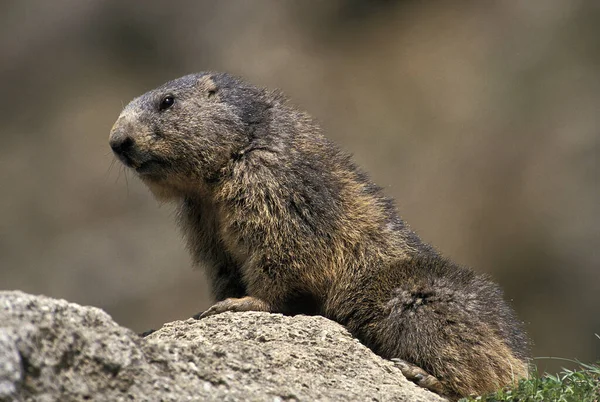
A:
{"points": [[419, 376]]}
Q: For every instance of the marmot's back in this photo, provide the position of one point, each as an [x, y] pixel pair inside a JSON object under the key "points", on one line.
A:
{"points": [[285, 222]]}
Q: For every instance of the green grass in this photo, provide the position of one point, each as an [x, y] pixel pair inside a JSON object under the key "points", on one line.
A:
{"points": [[579, 385]]}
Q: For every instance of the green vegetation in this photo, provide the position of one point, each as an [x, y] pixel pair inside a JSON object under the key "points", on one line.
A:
{"points": [[580, 385]]}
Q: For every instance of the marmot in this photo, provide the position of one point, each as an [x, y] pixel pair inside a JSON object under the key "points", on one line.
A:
{"points": [[284, 221]]}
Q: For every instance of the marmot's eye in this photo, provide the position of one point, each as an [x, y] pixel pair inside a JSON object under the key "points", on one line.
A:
{"points": [[166, 102]]}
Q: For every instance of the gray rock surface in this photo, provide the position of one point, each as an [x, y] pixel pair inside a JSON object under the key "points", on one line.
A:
{"points": [[54, 350]]}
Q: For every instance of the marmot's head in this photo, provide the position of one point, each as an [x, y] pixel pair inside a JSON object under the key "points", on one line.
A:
{"points": [[181, 135]]}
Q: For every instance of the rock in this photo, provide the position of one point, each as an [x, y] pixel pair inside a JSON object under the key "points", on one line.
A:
{"points": [[54, 350]]}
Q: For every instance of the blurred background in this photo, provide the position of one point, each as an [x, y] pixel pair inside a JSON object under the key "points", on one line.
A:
{"points": [[481, 119]]}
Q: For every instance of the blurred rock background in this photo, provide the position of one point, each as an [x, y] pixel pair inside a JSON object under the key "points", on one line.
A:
{"points": [[482, 120]]}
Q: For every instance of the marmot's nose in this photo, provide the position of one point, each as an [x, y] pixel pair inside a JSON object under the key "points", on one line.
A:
{"points": [[120, 142]]}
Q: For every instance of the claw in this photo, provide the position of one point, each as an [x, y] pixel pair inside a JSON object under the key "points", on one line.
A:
{"points": [[146, 333]]}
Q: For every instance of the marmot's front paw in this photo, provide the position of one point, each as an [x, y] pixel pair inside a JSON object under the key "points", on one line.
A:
{"points": [[247, 303]]}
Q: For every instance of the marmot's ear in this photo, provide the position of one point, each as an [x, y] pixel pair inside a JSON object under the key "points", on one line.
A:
{"points": [[207, 85]]}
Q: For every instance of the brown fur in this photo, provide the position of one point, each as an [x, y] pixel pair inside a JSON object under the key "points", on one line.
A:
{"points": [[284, 221]]}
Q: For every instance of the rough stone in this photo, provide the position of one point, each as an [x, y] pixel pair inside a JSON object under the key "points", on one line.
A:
{"points": [[55, 350]]}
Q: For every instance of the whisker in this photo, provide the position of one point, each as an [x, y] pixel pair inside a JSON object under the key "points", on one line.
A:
{"points": [[107, 174], [126, 183], [119, 174]]}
